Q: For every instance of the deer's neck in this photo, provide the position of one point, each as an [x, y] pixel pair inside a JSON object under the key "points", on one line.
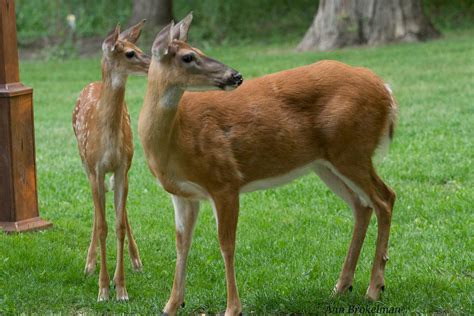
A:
{"points": [[111, 102], [157, 122]]}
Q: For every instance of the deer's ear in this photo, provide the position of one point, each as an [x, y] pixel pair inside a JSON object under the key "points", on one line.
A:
{"points": [[180, 30], [110, 43], [133, 33], [162, 41]]}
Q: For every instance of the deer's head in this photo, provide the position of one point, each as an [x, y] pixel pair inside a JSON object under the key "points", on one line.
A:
{"points": [[187, 66], [121, 53]]}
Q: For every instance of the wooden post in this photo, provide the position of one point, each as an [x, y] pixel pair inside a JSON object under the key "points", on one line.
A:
{"points": [[18, 195]]}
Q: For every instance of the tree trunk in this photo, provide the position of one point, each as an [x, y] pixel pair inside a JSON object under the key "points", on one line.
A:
{"points": [[340, 23], [158, 13]]}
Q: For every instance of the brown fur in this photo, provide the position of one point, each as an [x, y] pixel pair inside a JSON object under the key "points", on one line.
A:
{"points": [[270, 125], [101, 124], [98, 119], [211, 144]]}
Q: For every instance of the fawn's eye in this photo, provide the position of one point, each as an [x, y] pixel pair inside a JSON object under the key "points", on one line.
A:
{"points": [[188, 58], [130, 54]]}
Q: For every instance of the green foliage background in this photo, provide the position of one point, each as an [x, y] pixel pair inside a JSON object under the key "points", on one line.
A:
{"points": [[218, 21]]}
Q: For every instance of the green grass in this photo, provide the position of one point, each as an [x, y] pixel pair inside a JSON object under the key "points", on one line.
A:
{"points": [[291, 240]]}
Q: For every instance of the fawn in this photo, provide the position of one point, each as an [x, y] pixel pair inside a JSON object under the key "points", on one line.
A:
{"points": [[327, 118], [101, 124]]}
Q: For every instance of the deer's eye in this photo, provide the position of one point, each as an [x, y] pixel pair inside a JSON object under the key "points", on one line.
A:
{"points": [[130, 54], [188, 58]]}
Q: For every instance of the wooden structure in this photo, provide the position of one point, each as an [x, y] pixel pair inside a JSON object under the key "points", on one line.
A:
{"points": [[18, 194]]}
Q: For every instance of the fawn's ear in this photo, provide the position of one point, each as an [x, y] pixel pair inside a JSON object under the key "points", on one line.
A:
{"points": [[162, 42], [109, 44], [133, 33], [180, 30]]}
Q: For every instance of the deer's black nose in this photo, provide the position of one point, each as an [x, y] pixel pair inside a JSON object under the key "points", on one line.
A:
{"points": [[238, 79]]}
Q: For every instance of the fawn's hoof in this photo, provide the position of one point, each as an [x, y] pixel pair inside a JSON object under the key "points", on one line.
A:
{"points": [[89, 269], [137, 265], [121, 293], [103, 295]]}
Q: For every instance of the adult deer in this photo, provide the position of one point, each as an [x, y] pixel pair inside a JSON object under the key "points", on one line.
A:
{"points": [[102, 126], [326, 117]]}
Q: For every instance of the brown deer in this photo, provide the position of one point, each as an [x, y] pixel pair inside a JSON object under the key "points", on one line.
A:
{"points": [[102, 126], [327, 117]]}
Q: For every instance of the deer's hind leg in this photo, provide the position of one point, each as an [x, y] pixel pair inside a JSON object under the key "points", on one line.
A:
{"points": [[132, 247], [385, 199], [91, 260], [362, 216], [361, 178]]}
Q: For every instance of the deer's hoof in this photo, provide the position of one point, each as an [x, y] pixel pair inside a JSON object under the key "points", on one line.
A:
{"points": [[121, 293], [103, 295], [373, 292], [89, 269], [137, 265], [340, 289]]}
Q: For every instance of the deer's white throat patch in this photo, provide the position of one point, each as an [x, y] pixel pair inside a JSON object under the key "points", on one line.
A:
{"points": [[118, 80], [171, 97]]}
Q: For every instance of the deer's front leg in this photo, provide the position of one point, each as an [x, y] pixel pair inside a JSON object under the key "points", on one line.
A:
{"points": [[186, 213], [120, 200], [98, 195], [227, 211]]}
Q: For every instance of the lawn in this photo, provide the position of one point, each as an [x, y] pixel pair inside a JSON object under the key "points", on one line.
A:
{"points": [[291, 240]]}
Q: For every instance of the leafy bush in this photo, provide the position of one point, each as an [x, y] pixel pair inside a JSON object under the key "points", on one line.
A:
{"points": [[217, 21], [244, 20], [448, 15], [47, 19]]}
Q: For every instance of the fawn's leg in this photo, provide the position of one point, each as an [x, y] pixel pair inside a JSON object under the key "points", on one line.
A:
{"points": [[227, 210], [98, 195], [120, 200], [362, 216], [91, 259], [186, 213], [132, 247]]}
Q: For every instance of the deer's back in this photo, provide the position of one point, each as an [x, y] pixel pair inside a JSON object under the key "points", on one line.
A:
{"points": [[293, 117]]}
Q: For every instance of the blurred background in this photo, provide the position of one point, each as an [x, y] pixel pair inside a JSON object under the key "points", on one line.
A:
{"points": [[71, 28]]}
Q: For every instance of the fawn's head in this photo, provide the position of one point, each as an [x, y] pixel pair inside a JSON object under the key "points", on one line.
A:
{"points": [[121, 54], [186, 66]]}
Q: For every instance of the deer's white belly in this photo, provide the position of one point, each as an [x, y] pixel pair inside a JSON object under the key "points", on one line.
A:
{"points": [[278, 180]]}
